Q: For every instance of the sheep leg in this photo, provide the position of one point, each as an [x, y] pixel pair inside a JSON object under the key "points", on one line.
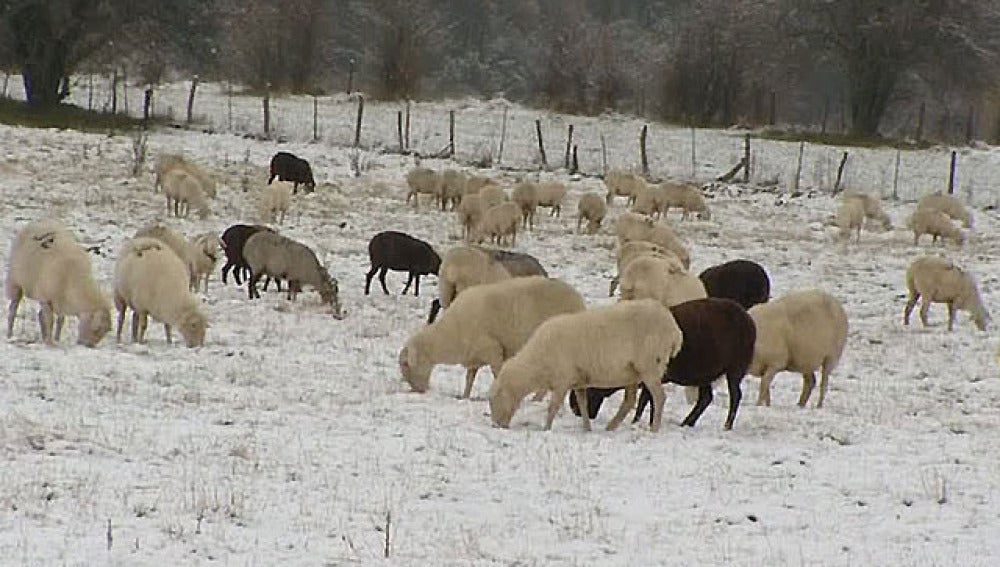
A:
{"points": [[416, 289], [409, 281], [60, 321], [470, 378], [911, 302], [167, 331], [734, 380], [951, 316], [581, 400], [925, 305], [368, 279], [808, 383], [704, 398], [764, 394], [644, 400], [627, 404], [46, 318], [554, 404], [225, 269], [655, 388], [138, 326], [381, 279], [18, 293], [252, 286], [120, 307], [824, 379]]}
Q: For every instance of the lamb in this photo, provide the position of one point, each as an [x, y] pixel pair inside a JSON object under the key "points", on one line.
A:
{"points": [[151, 280], [719, 339], [183, 190], [621, 345], [592, 209], [686, 197], [872, 207], [452, 188], [935, 280], [289, 167], [631, 226], [742, 281], [485, 325], [661, 279], [167, 162], [801, 332], [48, 265], [623, 183], [634, 249], [935, 223], [275, 199], [850, 217], [499, 222], [470, 214], [233, 241], [525, 194], [492, 195], [269, 253], [164, 163], [199, 255], [947, 204], [422, 180], [551, 194], [391, 250], [467, 266]]}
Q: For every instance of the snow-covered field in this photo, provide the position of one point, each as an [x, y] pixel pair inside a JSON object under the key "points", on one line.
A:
{"points": [[289, 438]]}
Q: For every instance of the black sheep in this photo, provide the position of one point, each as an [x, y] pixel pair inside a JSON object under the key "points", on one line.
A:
{"points": [[719, 338], [289, 167], [233, 240], [743, 281], [391, 250]]}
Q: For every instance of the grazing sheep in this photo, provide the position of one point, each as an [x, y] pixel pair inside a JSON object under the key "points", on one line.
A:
{"points": [[630, 227], [551, 194], [467, 266], [166, 162], [499, 222], [391, 250], [525, 194], [151, 280], [492, 195], [470, 214], [649, 201], [233, 240], [198, 255], [452, 188], [947, 204], [48, 265], [850, 217], [183, 190], [269, 253], [935, 223], [662, 279], [935, 280], [422, 180], [623, 183], [719, 338], [620, 345], [872, 207], [686, 197], [798, 332], [275, 199], [485, 325], [474, 183], [632, 250], [742, 281], [592, 209], [289, 167]]}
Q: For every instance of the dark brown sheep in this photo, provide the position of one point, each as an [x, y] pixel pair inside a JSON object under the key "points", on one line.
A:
{"points": [[289, 167], [397, 251], [743, 281], [719, 338]]}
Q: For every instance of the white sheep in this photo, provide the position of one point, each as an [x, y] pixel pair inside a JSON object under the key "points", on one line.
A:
{"points": [[422, 180], [152, 281], [183, 190], [167, 162], [485, 326], [649, 201], [48, 265], [499, 222], [525, 194], [872, 207], [470, 213], [800, 332], [199, 254], [932, 279], [275, 200], [686, 197], [551, 194], [630, 227], [634, 249], [947, 204], [623, 183], [492, 195], [661, 278], [621, 345], [463, 267], [591, 208], [452, 188], [850, 217], [474, 183], [935, 223]]}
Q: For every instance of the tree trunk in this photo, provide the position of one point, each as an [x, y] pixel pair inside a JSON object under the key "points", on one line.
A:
{"points": [[42, 82]]}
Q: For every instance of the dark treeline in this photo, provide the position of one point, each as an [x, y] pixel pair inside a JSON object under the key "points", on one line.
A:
{"points": [[863, 67]]}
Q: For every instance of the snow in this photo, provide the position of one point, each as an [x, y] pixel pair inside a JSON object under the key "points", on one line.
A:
{"points": [[289, 437]]}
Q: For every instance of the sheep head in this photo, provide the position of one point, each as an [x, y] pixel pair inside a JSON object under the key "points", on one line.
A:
{"points": [[414, 367], [329, 292], [503, 404], [93, 326], [192, 327]]}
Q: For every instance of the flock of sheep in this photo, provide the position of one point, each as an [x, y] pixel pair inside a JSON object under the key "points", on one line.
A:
{"points": [[500, 308]]}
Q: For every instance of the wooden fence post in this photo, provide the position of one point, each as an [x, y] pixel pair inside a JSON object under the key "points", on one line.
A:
{"points": [[357, 126], [576, 162], [147, 103], [920, 121], [229, 103], [569, 143], [399, 129], [951, 172], [604, 156], [503, 135], [798, 168], [694, 157], [541, 143], [746, 159], [840, 173], [114, 91], [644, 160], [90, 92], [895, 177], [190, 106], [406, 132], [267, 111], [315, 118], [124, 90], [451, 133], [350, 77]]}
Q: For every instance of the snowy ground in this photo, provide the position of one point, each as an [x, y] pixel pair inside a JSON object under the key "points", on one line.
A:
{"points": [[289, 437]]}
